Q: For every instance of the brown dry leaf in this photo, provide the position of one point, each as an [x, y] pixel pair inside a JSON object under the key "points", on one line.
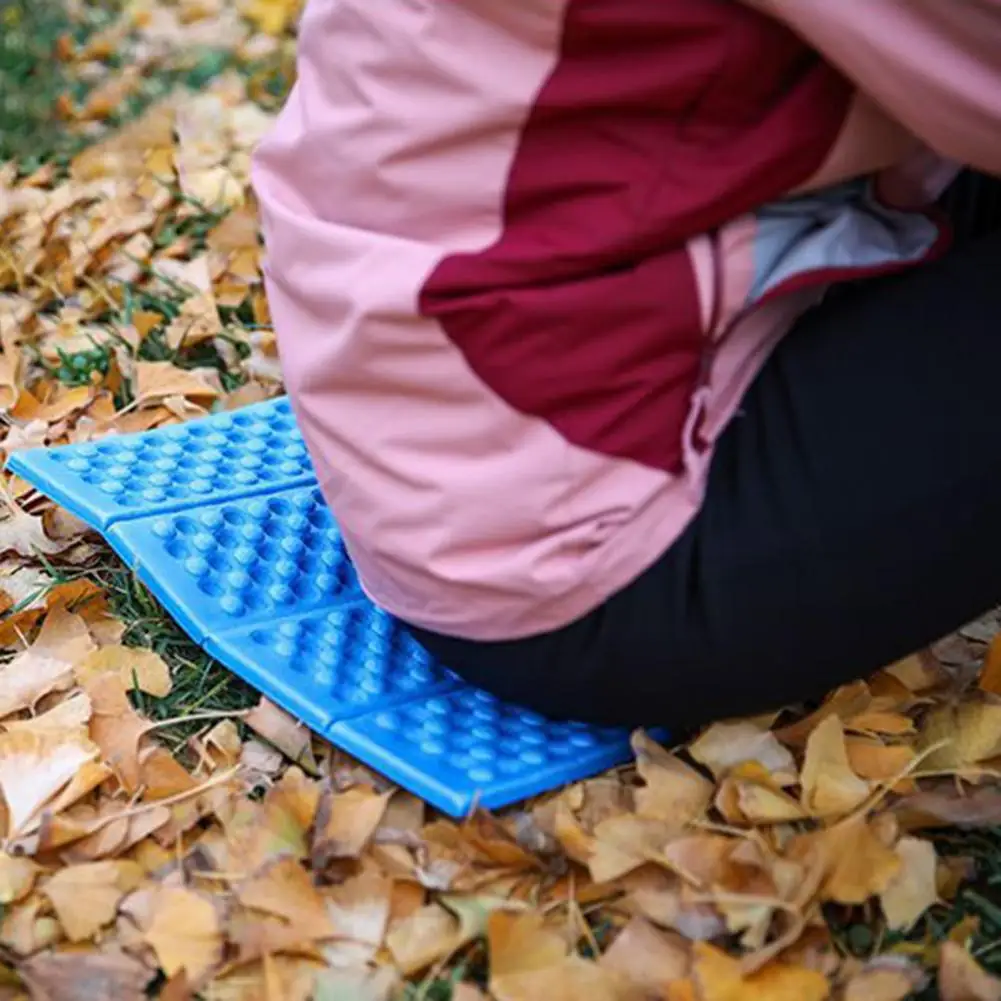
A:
{"points": [[917, 673], [719, 978], [439, 930], [17, 878], [949, 805], [47, 665], [971, 732], [648, 957], [359, 912], [990, 673], [725, 745], [857, 862], [109, 975], [25, 931], [71, 714], [844, 702], [223, 743], [878, 762], [885, 978], [24, 534], [134, 667], [914, 889], [952, 873], [157, 381], [35, 766], [285, 889], [830, 787], [346, 822], [750, 795], [659, 897], [290, 736], [360, 984], [86, 897], [38, 593], [10, 384], [162, 776], [521, 947], [623, 844], [674, 792], [891, 724], [961, 978], [185, 932], [116, 727]]}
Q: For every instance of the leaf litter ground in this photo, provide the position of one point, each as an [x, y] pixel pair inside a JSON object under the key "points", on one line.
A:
{"points": [[166, 834]]}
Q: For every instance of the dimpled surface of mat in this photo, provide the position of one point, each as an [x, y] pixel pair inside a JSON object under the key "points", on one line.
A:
{"points": [[223, 520]]}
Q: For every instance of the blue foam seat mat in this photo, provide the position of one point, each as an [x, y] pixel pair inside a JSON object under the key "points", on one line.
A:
{"points": [[223, 520]]}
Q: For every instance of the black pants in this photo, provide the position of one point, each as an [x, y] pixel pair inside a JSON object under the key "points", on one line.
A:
{"points": [[853, 515]]}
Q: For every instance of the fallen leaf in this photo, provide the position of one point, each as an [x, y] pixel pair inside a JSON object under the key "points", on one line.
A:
{"points": [[674, 792], [24, 534], [162, 776], [346, 822], [440, 929], [623, 844], [877, 762], [830, 787], [951, 873], [747, 797], [86, 897], [914, 889], [658, 896], [134, 667], [89, 976], [359, 913], [116, 727], [885, 978], [892, 724], [647, 956], [34, 767], [159, 380], [961, 978], [725, 745], [971, 732], [951, 806], [290, 736], [17, 877], [71, 714], [990, 673], [25, 930], [360, 985], [285, 889], [720, 978], [184, 932], [917, 673], [844, 702], [857, 863]]}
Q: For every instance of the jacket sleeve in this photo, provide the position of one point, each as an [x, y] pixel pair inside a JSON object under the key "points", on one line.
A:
{"points": [[934, 65]]}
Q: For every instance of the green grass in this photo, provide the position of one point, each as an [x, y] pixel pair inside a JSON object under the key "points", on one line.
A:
{"points": [[31, 79]]}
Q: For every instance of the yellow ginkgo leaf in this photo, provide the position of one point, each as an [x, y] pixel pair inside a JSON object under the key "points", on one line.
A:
{"points": [[185, 932], [915, 887], [35, 766], [830, 787], [720, 977], [134, 666], [674, 792], [969, 732], [85, 897]]}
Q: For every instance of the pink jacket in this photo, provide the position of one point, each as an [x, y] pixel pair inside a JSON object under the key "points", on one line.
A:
{"points": [[525, 256]]}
